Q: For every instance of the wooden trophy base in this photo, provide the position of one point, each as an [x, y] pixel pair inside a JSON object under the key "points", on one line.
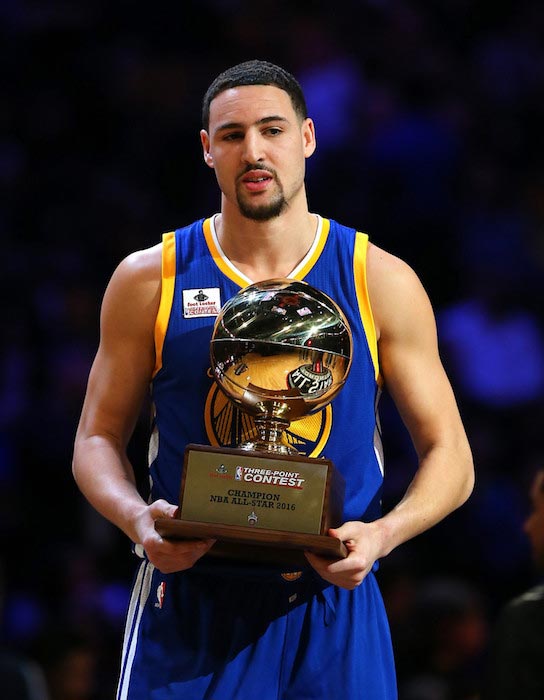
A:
{"points": [[259, 507], [248, 544]]}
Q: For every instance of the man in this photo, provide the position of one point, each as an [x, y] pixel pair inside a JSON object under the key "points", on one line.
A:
{"points": [[198, 628], [516, 668]]}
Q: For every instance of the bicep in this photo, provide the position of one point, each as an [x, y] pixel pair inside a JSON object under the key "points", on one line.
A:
{"points": [[123, 366], [117, 385], [411, 366], [416, 380]]}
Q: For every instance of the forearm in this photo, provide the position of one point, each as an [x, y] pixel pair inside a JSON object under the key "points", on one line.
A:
{"points": [[106, 478], [442, 483]]}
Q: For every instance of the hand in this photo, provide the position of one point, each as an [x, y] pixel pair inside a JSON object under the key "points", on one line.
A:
{"points": [[362, 541], [167, 555]]}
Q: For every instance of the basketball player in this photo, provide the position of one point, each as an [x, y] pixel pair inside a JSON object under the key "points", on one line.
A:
{"points": [[515, 668], [198, 628]]}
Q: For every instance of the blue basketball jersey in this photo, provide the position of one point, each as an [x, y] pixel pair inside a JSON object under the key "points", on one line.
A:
{"points": [[214, 632], [197, 279]]}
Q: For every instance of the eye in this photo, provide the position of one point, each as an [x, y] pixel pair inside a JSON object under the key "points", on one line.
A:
{"points": [[273, 131], [233, 136]]}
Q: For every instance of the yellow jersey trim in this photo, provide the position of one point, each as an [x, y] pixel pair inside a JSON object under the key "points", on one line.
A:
{"points": [[168, 280], [218, 257], [323, 235], [363, 298], [230, 272]]}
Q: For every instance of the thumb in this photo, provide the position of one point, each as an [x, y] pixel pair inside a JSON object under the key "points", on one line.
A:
{"points": [[347, 531], [163, 509]]}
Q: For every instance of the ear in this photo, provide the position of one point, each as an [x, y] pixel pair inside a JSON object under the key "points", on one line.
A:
{"points": [[205, 141], [308, 137]]}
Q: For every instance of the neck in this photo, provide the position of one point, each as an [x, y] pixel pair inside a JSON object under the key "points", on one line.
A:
{"points": [[266, 249]]}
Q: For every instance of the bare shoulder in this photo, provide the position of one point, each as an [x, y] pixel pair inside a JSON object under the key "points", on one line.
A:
{"points": [[133, 293], [396, 292], [386, 271], [140, 266], [138, 272]]}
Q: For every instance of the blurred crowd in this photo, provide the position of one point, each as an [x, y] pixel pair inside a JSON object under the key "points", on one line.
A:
{"points": [[428, 119]]}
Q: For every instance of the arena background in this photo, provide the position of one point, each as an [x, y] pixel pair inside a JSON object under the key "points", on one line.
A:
{"points": [[428, 121]]}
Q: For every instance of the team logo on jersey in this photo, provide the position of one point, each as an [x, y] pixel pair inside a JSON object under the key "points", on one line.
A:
{"points": [[311, 380], [226, 425], [161, 590], [201, 302]]}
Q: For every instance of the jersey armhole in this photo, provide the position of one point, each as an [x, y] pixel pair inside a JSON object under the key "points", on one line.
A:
{"points": [[363, 299], [168, 280]]}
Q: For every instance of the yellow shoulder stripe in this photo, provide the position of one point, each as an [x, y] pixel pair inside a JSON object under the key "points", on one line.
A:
{"points": [[363, 298], [167, 295]]}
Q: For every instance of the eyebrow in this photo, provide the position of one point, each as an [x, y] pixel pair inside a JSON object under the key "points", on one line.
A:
{"points": [[239, 125]]}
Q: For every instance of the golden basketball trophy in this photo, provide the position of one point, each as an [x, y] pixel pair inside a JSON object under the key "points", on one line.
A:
{"points": [[280, 350]]}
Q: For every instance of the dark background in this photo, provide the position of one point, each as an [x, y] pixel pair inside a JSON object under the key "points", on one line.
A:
{"points": [[428, 119]]}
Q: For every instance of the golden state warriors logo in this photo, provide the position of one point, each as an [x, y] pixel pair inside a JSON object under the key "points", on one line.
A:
{"points": [[227, 425]]}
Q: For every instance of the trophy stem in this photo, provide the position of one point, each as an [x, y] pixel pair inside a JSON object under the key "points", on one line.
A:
{"points": [[269, 438]]}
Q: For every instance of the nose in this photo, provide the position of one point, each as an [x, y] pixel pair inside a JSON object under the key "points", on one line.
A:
{"points": [[252, 150]]}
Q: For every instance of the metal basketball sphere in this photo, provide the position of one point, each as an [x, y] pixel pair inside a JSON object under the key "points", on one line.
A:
{"points": [[281, 348]]}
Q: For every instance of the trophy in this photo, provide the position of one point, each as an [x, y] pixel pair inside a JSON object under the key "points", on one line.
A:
{"points": [[280, 350]]}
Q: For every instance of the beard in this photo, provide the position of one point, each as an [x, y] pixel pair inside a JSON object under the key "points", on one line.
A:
{"points": [[263, 212]]}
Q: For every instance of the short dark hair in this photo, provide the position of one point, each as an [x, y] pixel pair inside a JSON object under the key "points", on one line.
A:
{"points": [[255, 73]]}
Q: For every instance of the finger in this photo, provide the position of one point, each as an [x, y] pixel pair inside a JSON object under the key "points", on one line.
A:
{"points": [[326, 565], [334, 574], [177, 555], [190, 546]]}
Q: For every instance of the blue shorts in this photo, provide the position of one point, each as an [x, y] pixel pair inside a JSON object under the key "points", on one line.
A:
{"points": [[215, 635]]}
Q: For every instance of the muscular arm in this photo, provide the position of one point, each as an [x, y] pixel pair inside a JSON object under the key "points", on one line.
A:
{"points": [[118, 382], [418, 384], [415, 378]]}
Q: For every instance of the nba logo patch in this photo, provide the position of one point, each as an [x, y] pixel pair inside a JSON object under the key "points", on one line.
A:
{"points": [[161, 590], [239, 473]]}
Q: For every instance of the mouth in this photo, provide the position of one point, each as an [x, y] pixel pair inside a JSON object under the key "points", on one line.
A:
{"points": [[256, 180]]}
